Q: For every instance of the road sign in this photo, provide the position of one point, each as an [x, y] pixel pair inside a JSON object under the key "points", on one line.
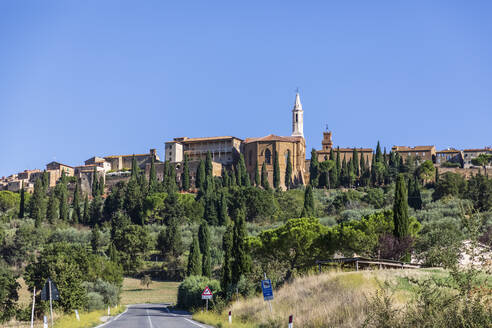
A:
{"points": [[45, 293], [266, 287], [207, 294]]}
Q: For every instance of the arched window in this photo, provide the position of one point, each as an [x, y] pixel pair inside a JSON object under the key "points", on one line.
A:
{"points": [[296, 118], [268, 156], [326, 158]]}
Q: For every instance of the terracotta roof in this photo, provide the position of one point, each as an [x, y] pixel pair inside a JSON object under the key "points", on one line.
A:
{"points": [[363, 150], [416, 148], [116, 156], [448, 151], [272, 137], [186, 139], [479, 149]]}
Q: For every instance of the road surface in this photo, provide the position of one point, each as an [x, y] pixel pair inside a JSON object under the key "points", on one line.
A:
{"points": [[152, 316]]}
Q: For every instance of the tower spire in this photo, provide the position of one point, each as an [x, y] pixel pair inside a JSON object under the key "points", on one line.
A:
{"points": [[297, 117]]}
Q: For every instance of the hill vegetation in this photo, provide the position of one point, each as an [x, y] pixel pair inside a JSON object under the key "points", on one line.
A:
{"points": [[232, 230]]}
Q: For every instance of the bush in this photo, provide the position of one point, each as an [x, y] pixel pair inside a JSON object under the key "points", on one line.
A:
{"points": [[190, 291], [109, 292], [95, 301]]}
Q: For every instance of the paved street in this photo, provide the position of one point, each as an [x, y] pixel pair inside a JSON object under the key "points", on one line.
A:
{"points": [[152, 316]]}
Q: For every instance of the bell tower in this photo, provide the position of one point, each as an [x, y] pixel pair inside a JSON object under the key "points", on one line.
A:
{"points": [[297, 118]]}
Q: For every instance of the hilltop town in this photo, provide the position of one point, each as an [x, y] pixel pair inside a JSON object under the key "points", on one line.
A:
{"points": [[258, 152]]}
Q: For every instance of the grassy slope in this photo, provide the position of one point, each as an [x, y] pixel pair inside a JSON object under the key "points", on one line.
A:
{"points": [[336, 299]]}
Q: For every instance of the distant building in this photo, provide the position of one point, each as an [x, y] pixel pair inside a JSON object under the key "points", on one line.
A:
{"points": [[449, 155], [469, 154], [422, 153], [345, 153], [55, 170], [122, 162], [224, 150]]}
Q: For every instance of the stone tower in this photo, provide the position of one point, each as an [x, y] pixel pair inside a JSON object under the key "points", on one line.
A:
{"points": [[297, 118]]}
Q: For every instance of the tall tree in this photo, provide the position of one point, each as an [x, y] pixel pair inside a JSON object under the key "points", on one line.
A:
{"points": [[95, 239], [355, 162], [204, 241], [414, 196], [208, 165], [94, 184], [333, 171], [53, 207], [169, 241], [276, 170], [38, 203], [76, 214], [244, 173], [223, 212], [153, 177], [257, 175], [61, 192], [379, 154], [200, 175], [288, 172], [314, 169], [308, 209], [185, 176], [95, 210], [264, 177], [22, 205], [400, 209], [242, 261], [338, 168], [194, 259], [482, 160], [227, 247], [135, 168], [133, 203]]}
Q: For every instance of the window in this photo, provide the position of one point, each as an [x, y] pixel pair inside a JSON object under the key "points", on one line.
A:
{"points": [[268, 156], [296, 118]]}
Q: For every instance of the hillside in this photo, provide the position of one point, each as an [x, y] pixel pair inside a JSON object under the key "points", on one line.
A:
{"points": [[334, 299]]}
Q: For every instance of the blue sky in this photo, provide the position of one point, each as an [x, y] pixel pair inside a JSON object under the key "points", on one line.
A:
{"points": [[85, 78]]}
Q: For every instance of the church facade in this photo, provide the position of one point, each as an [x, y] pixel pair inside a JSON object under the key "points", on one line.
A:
{"points": [[261, 151]]}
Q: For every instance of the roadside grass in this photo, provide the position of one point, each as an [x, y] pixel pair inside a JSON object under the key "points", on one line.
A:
{"points": [[158, 292], [87, 319], [331, 299]]}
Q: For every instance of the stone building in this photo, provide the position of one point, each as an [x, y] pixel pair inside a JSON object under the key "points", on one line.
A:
{"points": [[224, 150], [262, 150], [345, 153], [55, 170], [469, 154], [122, 162], [422, 153], [449, 155]]}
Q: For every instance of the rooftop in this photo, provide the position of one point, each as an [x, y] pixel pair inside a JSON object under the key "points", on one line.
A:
{"points": [[186, 139], [272, 137], [416, 148]]}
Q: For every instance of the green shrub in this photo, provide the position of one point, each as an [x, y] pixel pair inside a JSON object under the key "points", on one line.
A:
{"points": [[190, 291], [95, 301], [109, 292]]}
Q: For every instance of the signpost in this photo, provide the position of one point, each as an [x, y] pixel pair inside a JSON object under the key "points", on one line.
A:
{"points": [[266, 287], [50, 292], [207, 295], [33, 302]]}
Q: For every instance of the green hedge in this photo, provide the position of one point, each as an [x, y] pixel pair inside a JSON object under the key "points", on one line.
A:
{"points": [[190, 291]]}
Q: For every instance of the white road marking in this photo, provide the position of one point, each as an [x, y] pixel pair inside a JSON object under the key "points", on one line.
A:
{"points": [[148, 317], [116, 318], [193, 322]]}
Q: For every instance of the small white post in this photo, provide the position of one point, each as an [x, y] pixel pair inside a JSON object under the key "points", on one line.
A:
{"points": [[77, 314], [109, 312], [45, 322], [51, 303], [206, 309], [230, 317], [32, 311], [291, 324]]}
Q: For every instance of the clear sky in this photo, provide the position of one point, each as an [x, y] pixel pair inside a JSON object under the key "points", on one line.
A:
{"points": [[85, 78]]}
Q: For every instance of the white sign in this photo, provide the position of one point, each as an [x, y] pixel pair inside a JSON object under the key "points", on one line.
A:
{"points": [[207, 294]]}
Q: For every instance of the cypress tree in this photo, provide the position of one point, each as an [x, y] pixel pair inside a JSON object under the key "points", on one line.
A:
{"points": [[344, 173], [86, 215], [355, 162], [45, 181], [314, 169], [225, 178], [437, 175], [22, 205], [53, 207], [100, 185], [95, 239], [169, 241], [288, 172], [239, 173], [223, 214], [233, 177], [264, 178], [241, 264], [113, 253], [94, 186], [400, 209], [95, 210], [308, 209], [200, 175], [257, 175], [227, 247], [185, 177], [414, 196], [350, 173], [208, 166], [374, 174], [333, 171], [204, 241], [135, 168], [379, 155], [38, 203], [338, 168], [153, 176], [276, 170], [244, 173], [194, 259], [76, 215]]}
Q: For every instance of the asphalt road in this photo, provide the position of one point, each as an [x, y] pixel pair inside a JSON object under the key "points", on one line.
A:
{"points": [[152, 316]]}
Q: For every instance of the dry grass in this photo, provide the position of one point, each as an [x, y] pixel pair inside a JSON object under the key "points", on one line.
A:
{"points": [[158, 292], [334, 299], [25, 296]]}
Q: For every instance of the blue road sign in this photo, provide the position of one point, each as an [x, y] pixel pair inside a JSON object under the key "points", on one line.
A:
{"points": [[266, 287]]}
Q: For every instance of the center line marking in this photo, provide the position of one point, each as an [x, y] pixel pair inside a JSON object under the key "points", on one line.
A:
{"points": [[148, 317]]}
